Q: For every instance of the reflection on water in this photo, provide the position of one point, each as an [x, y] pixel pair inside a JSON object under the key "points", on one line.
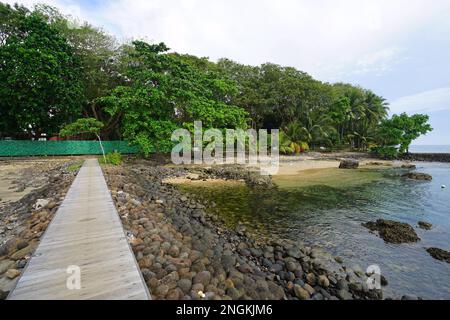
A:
{"points": [[331, 217]]}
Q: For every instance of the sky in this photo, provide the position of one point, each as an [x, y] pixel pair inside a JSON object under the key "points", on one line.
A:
{"points": [[400, 49]]}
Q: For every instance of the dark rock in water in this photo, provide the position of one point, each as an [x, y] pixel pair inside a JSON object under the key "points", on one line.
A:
{"points": [[408, 166], [409, 297], [417, 176], [439, 254], [425, 225], [3, 294], [349, 164], [393, 231], [383, 280]]}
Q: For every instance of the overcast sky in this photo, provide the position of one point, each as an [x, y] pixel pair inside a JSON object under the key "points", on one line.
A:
{"points": [[398, 48]]}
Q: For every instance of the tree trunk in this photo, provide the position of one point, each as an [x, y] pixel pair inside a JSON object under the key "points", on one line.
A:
{"points": [[101, 146]]}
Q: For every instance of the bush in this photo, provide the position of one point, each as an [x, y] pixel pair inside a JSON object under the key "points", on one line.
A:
{"points": [[114, 158], [385, 152]]}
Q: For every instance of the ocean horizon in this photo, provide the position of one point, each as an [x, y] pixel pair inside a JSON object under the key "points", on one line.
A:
{"points": [[429, 149]]}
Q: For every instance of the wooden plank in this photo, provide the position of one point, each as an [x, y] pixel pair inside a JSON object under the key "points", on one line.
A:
{"points": [[85, 232]]}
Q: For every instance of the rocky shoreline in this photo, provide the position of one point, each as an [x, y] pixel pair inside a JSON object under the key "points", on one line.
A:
{"points": [[23, 222], [183, 249], [184, 252], [427, 157]]}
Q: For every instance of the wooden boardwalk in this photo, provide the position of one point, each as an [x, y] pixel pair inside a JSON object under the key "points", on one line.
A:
{"points": [[86, 232]]}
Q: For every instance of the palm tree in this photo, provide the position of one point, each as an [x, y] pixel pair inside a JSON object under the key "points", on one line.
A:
{"points": [[317, 127]]}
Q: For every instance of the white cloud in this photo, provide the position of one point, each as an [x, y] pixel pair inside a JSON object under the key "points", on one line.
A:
{"points": [[379, 62], [327, 38], [428, 101]]}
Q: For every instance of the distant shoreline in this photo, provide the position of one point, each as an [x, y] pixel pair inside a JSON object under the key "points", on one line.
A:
{"points": [[429, 157], [429, 148]]}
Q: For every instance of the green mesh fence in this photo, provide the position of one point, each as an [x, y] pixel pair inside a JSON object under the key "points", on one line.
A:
{"points": [[23, 148]]}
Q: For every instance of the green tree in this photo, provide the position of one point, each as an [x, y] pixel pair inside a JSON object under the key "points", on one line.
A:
{"points": [[401, 130], [40, 85], [99, 55], [85, 126], [165, 92]]}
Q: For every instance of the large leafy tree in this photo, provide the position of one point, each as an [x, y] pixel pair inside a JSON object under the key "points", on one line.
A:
{"points": [[40, 87], [401, 130], [164, 92], [101, 64]]}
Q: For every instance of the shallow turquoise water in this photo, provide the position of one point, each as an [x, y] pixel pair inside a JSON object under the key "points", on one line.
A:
{"points": [[332, 217]]}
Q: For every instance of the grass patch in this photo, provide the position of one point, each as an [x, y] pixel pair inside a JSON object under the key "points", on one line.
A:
{"points": [[74, 166], [113, 158]]}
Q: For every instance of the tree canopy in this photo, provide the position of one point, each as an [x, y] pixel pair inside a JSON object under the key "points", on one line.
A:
{"points": [[40, 82], [397, 134], [54, 70]]}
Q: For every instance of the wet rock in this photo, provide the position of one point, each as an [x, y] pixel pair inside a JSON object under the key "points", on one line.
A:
{"points": [[301, 293], [408, 166], [3, 294], [12, 273], [294, 253], [256, 252], [185, 285], [323, 281], [393, 231], [276, 290], [174, 251], [292, 266], [383, 281], [338, 259], [417, 176], [349, 164], [310, 289], [409, 297], [5, 265], [425, 225], [439, 254], [174, 294], [344, 295], [311, 278], [276, 268], [23, 253], [40, 204], [203, 277], [8, 247], [162, 290], [234, 293], [244, 252], [245, 268], [228, 262], [240, 229]]}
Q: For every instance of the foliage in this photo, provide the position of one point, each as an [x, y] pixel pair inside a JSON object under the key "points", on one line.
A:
{"points": [[74, 167], [166, 93], [290, 142], [82, 126], [385, 151], [55, 70], [113, 158], [40, 86], [401, 130]]}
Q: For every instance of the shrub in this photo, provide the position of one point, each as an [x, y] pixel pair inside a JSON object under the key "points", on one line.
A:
{"points": [[114, 158], [385, 152]]}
